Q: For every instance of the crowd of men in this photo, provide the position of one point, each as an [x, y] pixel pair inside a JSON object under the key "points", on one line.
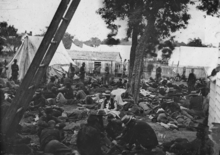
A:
{"points": [[111, 126]]}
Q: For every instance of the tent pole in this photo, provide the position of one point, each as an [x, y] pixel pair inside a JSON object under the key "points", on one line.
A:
{"points": [[38, 66], [111, 66]]}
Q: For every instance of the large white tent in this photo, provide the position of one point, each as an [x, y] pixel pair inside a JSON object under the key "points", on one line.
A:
{"points": [[197, 57], [27, 51], [123, 49]]}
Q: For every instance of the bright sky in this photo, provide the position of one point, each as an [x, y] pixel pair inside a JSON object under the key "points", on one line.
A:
{"points": [[35, 15]]}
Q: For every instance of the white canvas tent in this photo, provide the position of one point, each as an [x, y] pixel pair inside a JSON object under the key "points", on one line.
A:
{"points": [[88, 48], [74, 47], [123, 49], [27, 51], [194, 57]]}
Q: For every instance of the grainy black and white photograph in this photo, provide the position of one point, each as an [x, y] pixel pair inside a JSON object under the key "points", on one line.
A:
{"points": [[110, 77]]}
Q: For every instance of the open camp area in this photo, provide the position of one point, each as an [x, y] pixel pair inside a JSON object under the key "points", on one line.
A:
{"points": [[104, 77]]}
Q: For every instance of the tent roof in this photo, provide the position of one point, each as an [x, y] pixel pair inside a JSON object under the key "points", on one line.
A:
{"points": [[194, 56], [27, 51], [90, 55], [61, 56], [186, 56], [89, 48], [74, 47], [124, 50]]}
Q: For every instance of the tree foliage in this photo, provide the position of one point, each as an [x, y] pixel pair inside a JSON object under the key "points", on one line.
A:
{"points": [[154, 21], [170, 16], [196, 42], [9, 36], [211, 7], [67, 40], [111, 41], [167, 48], [93, 42]]}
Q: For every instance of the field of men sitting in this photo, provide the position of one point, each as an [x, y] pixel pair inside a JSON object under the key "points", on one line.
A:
{"points": [[92, 115]]}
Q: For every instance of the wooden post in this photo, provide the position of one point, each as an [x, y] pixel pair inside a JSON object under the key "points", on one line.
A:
{"points": [[33, 77]]}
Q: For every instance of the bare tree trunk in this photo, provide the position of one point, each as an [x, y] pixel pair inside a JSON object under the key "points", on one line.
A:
{"points": [[133, 49], [132, 55], [139, 57]]}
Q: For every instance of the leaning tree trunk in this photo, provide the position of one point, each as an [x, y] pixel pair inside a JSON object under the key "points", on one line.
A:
{"points": [[139, 57]]}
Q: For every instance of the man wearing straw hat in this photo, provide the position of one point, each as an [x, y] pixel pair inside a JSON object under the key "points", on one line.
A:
{"points": [[110, 105]]}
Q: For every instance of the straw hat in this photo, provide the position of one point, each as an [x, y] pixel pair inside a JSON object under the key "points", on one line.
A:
{"points": [[101, 112], [193, 93], [75, 77], [107, 93], [126, 119]]}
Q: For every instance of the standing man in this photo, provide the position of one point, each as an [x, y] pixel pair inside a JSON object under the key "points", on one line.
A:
{"points": [[14, 70], [106, 81], [184, 74], [82, 72], [116, 70], [158, 73], [71, 71], [124, 68], [191, 81]]}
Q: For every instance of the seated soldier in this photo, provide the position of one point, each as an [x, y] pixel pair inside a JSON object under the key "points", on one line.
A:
{"points": [[50, 140], [62, 79], [49, 94], [67, 80], [65, 95], [88, 82], [198, 106], [94, 84], [89, 137], [114, 127], [38, 101], [81, 96], [119, 83], [177, 78], [126, 96], [125, 84], [51, 83], [45, 117], [112, 82], [139, 133], [109, 103]]}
